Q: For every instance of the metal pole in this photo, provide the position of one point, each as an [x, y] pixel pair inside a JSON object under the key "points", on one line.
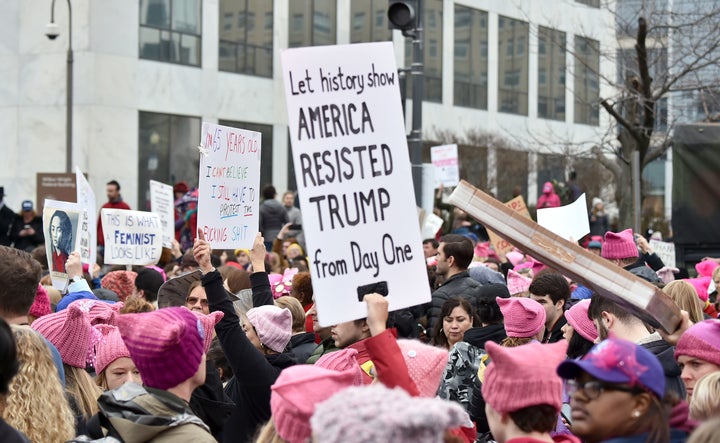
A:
{"points": [[415, 138], [637, 209], [68, 89]]}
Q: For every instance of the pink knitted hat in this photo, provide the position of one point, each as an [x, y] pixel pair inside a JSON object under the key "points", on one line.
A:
{"points": [[41, 305], [208, 323], [577, 316], [706, 267], [515, 257], [272, 325], [109, 348], [523, 376], [71, 333], [619, 245], [517, 283], [425, 365], [296, 392], [343, 360], [166, 345], [701, 341], [120, 282], [701, 285], [524, 317], [100, 312], [377, 414]]}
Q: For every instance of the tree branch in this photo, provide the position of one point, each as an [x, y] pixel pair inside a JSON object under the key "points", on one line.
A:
{"points": [[620, 119]]}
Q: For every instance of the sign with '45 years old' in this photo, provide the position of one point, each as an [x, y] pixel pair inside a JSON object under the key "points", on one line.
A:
{"points": [[228, 197], [354, 179]]}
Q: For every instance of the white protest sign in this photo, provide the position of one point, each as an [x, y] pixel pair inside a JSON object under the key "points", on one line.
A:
{"points": [[228, 199], [163, 204], [431, 226], [664, 250], [131, 237], [445, 160], [88, 222], [569, 222], [353, 174], [61, 226]]}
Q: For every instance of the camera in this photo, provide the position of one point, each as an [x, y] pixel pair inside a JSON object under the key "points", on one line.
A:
{"points": [[52, 30]]}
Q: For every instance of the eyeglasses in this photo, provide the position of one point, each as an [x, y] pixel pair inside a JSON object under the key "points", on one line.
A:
{"points": [[594, 388], [194, 300]]}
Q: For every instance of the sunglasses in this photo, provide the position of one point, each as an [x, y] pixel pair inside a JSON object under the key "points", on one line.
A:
{"points": [[593, 389]]}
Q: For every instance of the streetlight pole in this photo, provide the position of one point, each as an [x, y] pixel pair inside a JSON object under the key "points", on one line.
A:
{"points": [[52, 35]]}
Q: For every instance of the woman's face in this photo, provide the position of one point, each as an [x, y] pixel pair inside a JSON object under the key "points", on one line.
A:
{"points": [[567, 331], [252, 335], [598, 419], [455, 324], [693, 369], [197, 301], [120, 372], [56, 232]]}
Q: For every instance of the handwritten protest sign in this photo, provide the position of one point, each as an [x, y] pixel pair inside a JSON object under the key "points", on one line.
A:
{"points": [[354, 181], [229, 180], [500, 245], [162, 203], [131, 237], [445, 160], [88, 222], [664, 250], [569, 222], [61, 225]]}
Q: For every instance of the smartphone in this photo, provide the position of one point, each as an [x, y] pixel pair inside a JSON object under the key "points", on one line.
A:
{"points": [[295, 227], [566, 412]]}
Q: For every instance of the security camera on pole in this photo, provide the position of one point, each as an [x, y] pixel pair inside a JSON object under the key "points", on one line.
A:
{"points": [[406, 15]]}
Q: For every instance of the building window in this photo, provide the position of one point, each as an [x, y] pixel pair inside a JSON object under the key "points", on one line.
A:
{"points": [[266, 149], [167, 151], [587, 80], [551, 73], [313, 22], [432, 47], [513, 66], [245, 46], [170, 31], [550, 167], [369, 21]]}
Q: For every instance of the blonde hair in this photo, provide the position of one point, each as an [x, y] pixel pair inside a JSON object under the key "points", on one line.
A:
{"points": [[296, 309], [705, 401], [135, 304], [36, 404], [268, 434], [706, 432], [685, 296], [80, 386]]}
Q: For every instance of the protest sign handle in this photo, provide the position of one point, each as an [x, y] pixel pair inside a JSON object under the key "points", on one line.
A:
{"points": [[643, 299]]}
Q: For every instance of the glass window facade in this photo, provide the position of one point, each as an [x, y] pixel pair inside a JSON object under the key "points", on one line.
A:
{"points": [[587, 80], [513, 66], [312, 23], [432, 16], [171, 31], [246, 37], [550, 167], [368, 21], [266, 149], [470, 58], [551, 74], [167, 151]]}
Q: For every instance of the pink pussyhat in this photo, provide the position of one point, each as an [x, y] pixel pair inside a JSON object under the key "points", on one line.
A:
{"points": [[71, 333], [705, 268], [515, 257], [523, 317], [41, 305], [208, 323], [109, 347], [577, 316], [517, 283], [425, 365], [701, 285]]}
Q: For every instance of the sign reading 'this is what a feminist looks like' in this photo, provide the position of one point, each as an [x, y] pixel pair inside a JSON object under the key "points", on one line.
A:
{"points": [[354, 179]]}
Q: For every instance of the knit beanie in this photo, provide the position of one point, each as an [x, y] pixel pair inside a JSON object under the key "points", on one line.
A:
{"points": [[272, 325], [41, 304], [120, 282], [701, 341], [524, 317], [109, 347], [342, 360], [296, 392], [71, 333], [577, 316], [701, 285], [149, 279], [705, 268], [619, 245], [378, 414], [425, 365], [517, 283], [523, 376], [166, 345], [208, 323], [515, 257]]}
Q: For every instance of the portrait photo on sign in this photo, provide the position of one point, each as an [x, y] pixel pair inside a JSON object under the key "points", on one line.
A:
{"points": [[61, 227]]}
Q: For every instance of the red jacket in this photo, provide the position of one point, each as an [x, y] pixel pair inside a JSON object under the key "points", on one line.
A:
{"points": [[110, 205]]}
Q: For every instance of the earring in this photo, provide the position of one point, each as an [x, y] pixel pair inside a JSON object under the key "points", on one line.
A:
{"points": [[636, 414]]}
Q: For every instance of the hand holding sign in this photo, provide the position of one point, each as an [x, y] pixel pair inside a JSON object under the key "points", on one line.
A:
{"points": [[73, 266], [377, 307], [201, 252], [257, 254]]}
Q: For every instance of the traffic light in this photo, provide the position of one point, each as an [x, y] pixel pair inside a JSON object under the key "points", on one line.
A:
{"points": [[403, 14]]}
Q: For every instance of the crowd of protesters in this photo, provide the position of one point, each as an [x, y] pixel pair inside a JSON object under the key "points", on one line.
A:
{"points": [[225, 346]]}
